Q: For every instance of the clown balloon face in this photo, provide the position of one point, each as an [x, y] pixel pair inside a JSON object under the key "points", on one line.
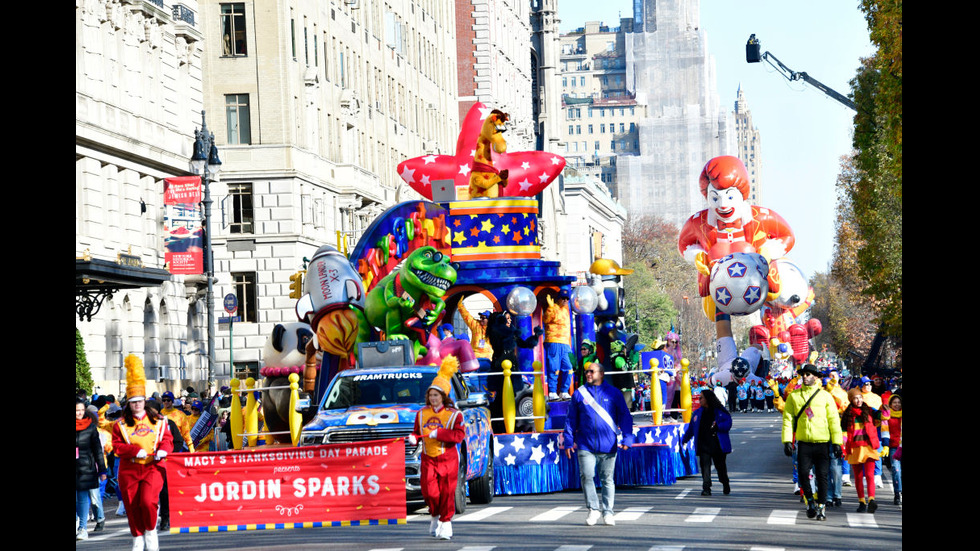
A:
{"points": [[727, 205]]}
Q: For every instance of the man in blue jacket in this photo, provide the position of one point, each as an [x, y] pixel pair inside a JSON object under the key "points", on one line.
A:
{"points": [[598, 418]]}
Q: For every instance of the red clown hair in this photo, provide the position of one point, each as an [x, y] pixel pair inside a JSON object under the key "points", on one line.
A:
{"points": [[725, 172]]}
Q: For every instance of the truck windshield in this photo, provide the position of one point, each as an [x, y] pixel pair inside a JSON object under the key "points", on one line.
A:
{"points": [[403, 387]]}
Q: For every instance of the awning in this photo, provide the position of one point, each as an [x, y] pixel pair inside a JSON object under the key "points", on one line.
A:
{"points": [[97, 280]]}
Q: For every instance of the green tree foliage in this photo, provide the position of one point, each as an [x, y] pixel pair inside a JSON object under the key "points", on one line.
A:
{"points": [[83, 374], [844, 311], [874, 189], [663, 288]]}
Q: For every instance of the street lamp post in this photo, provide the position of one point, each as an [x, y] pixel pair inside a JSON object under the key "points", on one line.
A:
{"points": [[205, 162]]}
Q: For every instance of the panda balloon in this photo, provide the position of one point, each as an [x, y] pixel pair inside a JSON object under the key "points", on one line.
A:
{"points": [[284, 353]]}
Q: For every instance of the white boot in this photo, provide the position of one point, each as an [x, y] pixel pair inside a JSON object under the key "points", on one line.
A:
{"points": [[445, 531], [152, 540], [434, 526], [137, 543]]}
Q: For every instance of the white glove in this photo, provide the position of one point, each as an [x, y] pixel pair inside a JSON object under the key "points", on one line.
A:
{"points": [[141, 454], [433, 434], [160, 455], [412, 440]]}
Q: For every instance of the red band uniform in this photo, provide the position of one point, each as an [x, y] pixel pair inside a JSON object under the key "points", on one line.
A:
{"points": [[141, 479], [440, 458]]}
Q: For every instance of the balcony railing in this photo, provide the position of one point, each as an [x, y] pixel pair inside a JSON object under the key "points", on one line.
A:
{"points": [[180, 12]]}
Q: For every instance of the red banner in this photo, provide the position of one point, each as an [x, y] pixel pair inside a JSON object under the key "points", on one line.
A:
{"points": [[267, 488], [183, 226]]}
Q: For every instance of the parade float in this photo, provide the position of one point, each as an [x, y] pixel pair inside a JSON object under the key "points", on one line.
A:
{"points": [[474, 232]]}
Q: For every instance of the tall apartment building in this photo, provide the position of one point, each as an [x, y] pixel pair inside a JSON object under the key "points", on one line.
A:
{"points": [[507, 60], [137, 101], [313, 104], [669, 67], [600, 107], [749, 146]]}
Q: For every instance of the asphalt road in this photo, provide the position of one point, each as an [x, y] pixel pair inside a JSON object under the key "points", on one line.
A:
{"points": [[761, 513]]}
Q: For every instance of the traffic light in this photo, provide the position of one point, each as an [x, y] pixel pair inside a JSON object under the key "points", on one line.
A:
{"points": [[296, 284]]}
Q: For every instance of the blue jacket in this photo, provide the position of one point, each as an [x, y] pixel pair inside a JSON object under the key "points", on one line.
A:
{"points": [[586, 430], [724, 421]]}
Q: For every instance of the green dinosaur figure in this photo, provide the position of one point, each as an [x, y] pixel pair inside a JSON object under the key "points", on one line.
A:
{"points": [[406, 303]]}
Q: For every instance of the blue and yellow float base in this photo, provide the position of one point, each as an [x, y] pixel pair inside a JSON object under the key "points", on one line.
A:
{"points": [[534, 463]]}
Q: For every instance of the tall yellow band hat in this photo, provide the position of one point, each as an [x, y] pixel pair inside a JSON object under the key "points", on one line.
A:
{"points": [[135, 378]]}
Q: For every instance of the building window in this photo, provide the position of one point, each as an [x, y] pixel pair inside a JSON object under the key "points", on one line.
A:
{"points": [[245, 289], [233, 29], [590, 129], [244, 370], [236, 112], [242, 217]]}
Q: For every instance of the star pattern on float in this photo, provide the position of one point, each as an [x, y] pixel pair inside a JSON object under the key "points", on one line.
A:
{"points": [[518, 231], [534, 448]]}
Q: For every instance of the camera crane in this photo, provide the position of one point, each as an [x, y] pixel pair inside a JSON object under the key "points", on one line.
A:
{"points": [[752, 55]]}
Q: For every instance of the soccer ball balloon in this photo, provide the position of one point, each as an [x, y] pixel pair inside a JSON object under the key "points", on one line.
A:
{"points": [[739, 283]]}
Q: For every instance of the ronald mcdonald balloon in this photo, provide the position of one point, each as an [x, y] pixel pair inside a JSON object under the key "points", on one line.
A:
{"points": [[731, 225]]}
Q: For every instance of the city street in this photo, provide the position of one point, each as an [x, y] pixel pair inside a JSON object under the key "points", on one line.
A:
{"points": [[760, 513]]}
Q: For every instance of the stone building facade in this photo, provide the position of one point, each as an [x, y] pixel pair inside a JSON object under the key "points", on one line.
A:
{"points": [[314, 104], [137, 101]]}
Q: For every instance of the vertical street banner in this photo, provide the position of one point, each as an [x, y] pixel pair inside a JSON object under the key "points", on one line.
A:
{"points": [[361, 483], [183, 225]]}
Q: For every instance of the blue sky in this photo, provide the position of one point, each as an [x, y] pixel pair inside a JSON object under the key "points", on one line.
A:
{"points": [[803, 131]]}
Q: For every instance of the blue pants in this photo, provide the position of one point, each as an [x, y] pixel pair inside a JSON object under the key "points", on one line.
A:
{"points": [[557, 361], [896, 468], [835, 482], [587, 462], [83, 502]]}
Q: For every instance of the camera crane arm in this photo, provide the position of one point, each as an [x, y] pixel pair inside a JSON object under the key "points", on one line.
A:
{"points": [[753, 55]]}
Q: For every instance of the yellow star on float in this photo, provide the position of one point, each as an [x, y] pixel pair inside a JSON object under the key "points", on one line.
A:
{"points": [[459, 238], [505, 228], [487, 226]]}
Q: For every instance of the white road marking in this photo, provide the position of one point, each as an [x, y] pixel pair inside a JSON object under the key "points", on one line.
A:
{"points": [[481, 514], [555, 514], [861, 520], [631, 513], [782, 517], [703, 514]]}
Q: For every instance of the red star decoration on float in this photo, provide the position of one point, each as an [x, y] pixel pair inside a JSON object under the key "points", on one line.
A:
{"points": [[530, 171]]}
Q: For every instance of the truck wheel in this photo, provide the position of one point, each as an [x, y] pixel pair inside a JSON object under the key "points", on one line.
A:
{"points": [[481, 489], [524, 407], [461, 486]]}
